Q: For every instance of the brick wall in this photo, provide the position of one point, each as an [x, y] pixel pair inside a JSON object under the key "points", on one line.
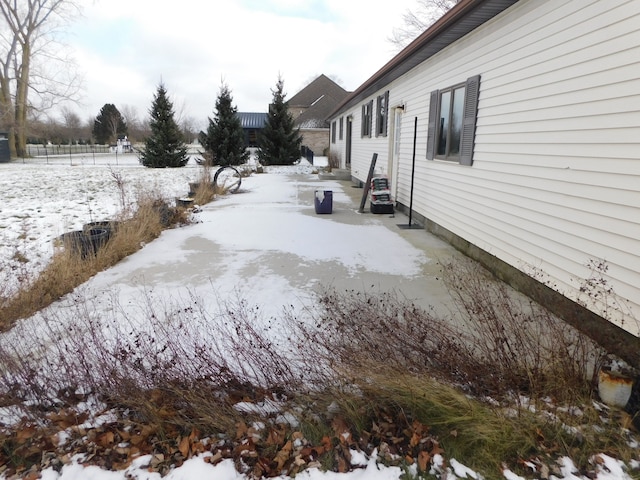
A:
{"points": [[317, 139]]}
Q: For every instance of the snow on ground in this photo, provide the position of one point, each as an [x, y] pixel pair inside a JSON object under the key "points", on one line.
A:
{"points": [[42, 198], [265, 243]]}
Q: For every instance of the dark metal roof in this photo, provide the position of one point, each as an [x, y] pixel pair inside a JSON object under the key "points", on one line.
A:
{"points": [[252, 119], [462, 19]]}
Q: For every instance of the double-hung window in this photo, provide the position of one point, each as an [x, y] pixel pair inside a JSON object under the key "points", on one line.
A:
{"points": [[452, 122], [382, 115], [367, 118]]}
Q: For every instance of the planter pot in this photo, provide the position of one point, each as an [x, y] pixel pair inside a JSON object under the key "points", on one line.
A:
{"points": [[184, 202], [76, 242], [614, 388], [111, 226], [97, 237]]}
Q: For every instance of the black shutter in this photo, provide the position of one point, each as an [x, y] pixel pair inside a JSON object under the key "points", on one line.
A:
{"points": [[386, 113], [431, 130], [467, 141], [370, 123], [378, 116]]}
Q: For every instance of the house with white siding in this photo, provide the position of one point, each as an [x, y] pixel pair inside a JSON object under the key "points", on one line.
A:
{"points": [[517, 123]]}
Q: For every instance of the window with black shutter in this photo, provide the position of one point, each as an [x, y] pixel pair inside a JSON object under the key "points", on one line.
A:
{"points": [[452, 122]]}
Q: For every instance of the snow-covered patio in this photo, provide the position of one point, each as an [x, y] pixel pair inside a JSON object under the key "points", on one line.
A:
{"points": [[265, 243]]}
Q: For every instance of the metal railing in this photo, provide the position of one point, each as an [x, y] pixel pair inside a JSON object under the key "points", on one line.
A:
{"points": [[307, 153], [34, 150]]}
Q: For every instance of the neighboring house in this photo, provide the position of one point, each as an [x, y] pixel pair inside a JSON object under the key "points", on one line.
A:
{"points": [[252, 124], [525, 116], [310, 108]]}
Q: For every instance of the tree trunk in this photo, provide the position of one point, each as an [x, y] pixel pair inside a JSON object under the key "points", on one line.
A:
{"points": [[7, 113], [22, 91]]}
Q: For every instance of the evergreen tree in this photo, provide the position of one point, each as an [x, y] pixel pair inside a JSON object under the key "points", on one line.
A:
{"points": [[279, 140], [224, 140], [109, 125], [165, 145]]}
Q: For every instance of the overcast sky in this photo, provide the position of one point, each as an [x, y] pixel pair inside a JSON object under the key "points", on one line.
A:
{"points": [[126, 47]]}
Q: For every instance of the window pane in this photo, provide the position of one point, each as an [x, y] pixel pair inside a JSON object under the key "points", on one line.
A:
{"points": [[382, 114], [457, 114], [443, 126]]}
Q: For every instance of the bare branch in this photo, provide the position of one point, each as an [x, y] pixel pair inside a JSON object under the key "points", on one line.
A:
{"points": [[31, 63], [416, 21]]}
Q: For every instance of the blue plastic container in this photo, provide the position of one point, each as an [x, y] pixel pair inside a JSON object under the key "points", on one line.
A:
{"points": [[324, 201]]}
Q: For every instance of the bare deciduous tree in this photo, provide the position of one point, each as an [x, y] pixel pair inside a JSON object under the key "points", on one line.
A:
{"points": [[72, 124], [29, 62], [136, 127], [416, 21]]}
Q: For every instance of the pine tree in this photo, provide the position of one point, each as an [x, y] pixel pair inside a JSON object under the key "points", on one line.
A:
{"points": [[279, 140], [224, 140], [109, 125], [165, 146]]}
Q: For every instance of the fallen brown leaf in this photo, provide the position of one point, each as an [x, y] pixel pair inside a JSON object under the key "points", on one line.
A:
{"points": [[283, 455], [184, 446], [25, 434], [424, 459]]}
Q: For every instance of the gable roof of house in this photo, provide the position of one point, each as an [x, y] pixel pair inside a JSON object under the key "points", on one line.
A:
{"points": [[316, 115], [463, 18], [252, 119], [318, 88], [318, 99]]}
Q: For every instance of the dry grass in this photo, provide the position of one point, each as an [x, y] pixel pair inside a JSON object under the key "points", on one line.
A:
{"points": [[205, 190], [70, 268], [375, 365], [533, 353], [205, 193], [496, 344]]}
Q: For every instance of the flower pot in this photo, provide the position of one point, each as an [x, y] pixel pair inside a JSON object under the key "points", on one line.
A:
{"points": [[614, 388]]}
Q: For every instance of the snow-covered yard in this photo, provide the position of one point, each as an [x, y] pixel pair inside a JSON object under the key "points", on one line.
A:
{"points": [[44, 198], [264, 243]]}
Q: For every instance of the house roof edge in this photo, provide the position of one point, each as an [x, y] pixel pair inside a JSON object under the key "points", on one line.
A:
{"points": [[463, 18]]}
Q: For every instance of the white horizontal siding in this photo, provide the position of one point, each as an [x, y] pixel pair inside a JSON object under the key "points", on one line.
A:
{"points": [[556, 176]]}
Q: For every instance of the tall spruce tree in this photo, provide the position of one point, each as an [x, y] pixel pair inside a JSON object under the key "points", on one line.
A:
{"points": [[280, 140], [224, 140], [165, 146]]}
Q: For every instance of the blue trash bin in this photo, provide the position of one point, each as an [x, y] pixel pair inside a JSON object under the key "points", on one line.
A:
{"points": [[324, 201]]}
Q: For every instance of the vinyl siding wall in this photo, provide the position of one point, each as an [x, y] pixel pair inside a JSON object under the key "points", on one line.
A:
{"points": [[555, 182]]}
